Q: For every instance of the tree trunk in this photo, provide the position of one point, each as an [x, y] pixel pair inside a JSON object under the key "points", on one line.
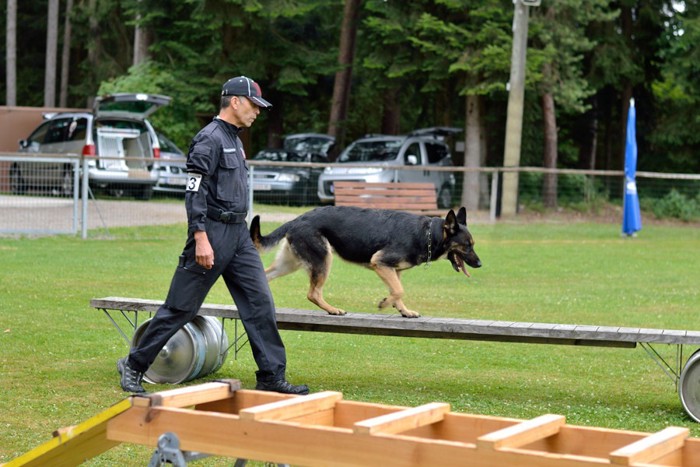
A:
{"points": [[472, 154], [11, 54], [65, 56], [346, 56], [549, 185], [142, 39], [51, 53], [391, 112], [94, 49], [588, 142]]}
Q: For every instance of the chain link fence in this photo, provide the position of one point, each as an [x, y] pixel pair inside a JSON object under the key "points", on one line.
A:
{"points": [[52, 195]]}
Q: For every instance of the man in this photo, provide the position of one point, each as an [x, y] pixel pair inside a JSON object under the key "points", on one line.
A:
{"points": [[219, 244]]}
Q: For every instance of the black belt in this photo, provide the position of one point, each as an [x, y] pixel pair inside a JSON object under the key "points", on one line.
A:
{"points": [[227, 217]]}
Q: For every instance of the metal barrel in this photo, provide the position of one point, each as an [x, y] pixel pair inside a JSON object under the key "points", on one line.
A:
{"points": [[216, 344], [689, 386], [194, 351]]}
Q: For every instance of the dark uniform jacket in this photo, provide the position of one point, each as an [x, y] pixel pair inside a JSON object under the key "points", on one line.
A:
{"points": [[217, 174]]}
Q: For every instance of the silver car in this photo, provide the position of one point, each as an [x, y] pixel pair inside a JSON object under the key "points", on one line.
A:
{"points": [[116, 138], [383, 158], [171, 168]]}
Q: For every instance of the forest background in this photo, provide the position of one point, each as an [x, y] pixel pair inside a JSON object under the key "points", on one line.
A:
{"points": [[348, 68]]}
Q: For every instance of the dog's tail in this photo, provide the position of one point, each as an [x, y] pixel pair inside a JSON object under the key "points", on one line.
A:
{"points": [[265, 243]]}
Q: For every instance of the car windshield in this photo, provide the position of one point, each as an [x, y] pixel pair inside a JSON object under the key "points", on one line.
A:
{"points": [[306, 144], [371, 151], [279, 156]]}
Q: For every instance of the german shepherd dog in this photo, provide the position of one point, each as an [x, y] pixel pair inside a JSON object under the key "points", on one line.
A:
{"points": [[383, 240]]}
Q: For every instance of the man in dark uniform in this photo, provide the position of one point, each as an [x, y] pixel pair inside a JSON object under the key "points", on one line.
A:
{"points": [[219, 244]]}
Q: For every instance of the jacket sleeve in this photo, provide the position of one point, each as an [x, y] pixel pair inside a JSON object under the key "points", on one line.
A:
{"points": [[202, 160]]}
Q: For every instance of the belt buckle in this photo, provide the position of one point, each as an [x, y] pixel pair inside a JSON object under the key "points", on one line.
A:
{"points": [[226, 217]]}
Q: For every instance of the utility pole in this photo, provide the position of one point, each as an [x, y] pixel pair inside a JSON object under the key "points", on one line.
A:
{"points": [[516, 98]]}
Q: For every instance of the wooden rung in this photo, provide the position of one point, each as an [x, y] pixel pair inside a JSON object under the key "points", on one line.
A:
{"points": [[522, 433], [404, 420], [651, 447], [188, 396], [292, 408]]}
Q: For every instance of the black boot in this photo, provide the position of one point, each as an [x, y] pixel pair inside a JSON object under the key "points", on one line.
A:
{"points": [[130, 378], [282, 386]]}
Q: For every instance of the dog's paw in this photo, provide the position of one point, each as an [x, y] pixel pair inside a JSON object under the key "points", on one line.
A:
{"points": [[336, 312], [409, 313]]}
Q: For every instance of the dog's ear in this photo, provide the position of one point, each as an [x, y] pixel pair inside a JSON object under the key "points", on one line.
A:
{"points": [[462, 216], [451, 223]]}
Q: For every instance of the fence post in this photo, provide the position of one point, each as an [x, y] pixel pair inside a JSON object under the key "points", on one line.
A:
{"points": [[494, 196], [76, 193], [84, 195]]}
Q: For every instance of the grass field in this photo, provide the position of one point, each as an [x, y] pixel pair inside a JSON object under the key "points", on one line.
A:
{"points": [[57, 355]]}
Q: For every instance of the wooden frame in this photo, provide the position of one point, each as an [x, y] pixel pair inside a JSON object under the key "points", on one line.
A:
{"points": [[322, 429]]}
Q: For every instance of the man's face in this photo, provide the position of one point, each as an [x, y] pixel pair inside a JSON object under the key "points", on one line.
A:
{"points": [[244, 111]]}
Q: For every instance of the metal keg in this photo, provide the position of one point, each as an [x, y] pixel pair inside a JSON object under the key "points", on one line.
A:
{"points": [[689, 386], [196, 350]]}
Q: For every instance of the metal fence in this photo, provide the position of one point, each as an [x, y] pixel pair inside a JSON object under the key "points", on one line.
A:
{"points": [[62, 201]]}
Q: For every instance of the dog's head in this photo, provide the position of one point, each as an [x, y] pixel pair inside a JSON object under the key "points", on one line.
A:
{"points": [[458, 242]]}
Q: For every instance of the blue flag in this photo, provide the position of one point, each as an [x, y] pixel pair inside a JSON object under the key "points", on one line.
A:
{"points": [[631, 218]]}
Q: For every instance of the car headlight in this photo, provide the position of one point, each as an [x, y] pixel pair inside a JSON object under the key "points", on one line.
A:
{"points": [[289, 178]]}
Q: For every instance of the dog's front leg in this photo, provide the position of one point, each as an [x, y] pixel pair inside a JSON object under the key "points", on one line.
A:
{"points": [[391, 278]]}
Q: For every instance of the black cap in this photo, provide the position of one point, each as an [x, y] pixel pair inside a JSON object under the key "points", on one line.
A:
{"points": [[243, 86]]}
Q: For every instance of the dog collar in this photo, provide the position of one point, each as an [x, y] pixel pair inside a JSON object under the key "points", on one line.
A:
{"points": [[429, 236]]}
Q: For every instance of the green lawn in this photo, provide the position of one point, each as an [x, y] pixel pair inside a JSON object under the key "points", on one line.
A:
{"points": [[57, 355]]}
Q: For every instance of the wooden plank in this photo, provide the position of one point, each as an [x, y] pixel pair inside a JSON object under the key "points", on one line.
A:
{"points": [[292, 408], [522, 433], [400, 196], [652, 447], [189, 395], [434, 327], [403, 420]]}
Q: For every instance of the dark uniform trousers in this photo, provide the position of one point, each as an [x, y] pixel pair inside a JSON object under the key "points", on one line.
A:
{"points": [[237, 260]]}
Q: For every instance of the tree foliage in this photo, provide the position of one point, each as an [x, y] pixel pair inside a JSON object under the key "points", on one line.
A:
{"points": [[416, 63]]}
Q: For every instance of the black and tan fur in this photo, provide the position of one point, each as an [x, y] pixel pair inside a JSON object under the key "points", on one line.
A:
{"points": [[385, 241]]}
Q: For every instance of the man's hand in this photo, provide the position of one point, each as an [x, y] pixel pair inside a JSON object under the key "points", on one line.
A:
{"points": [[204, 254]]}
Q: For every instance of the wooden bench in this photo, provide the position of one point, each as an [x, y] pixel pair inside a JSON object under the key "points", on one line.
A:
{"points": [[686, 376], [414, 197]]}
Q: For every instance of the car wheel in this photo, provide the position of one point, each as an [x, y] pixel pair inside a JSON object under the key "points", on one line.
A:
{"points": [[145, 193], [445, 197], [116, 191], [17, 184]]}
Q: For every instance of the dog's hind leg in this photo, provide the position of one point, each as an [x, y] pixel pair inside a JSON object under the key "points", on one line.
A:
{"points": [[391, 278], [286, 262]]}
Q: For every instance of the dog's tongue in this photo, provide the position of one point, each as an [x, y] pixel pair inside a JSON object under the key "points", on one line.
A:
{"points": [[462, 267]]}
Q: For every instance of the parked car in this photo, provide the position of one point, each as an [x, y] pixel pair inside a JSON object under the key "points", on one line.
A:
{"points": [[384, 156], [119, 142], [171, 168], [292, 185]]}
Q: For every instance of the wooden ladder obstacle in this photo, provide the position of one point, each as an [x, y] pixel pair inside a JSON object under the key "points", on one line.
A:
{"points": [[684, 371], [322, 429]]}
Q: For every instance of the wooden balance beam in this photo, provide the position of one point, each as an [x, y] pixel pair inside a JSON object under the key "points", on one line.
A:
{"points": [[684, 372]]}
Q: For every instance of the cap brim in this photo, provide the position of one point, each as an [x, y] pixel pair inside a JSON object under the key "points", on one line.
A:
{"points": [[259, 101]]}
